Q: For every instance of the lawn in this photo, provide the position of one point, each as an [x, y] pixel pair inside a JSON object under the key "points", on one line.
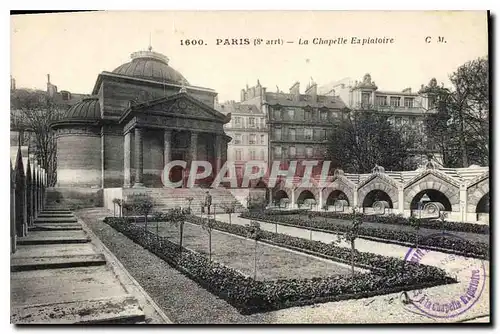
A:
{"points": [[238, 253]]}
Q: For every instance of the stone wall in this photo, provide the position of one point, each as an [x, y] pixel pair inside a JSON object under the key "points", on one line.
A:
{"points": [[74, 198]]}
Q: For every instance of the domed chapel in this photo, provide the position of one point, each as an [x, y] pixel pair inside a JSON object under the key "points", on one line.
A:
{"points": [[139, 117]]}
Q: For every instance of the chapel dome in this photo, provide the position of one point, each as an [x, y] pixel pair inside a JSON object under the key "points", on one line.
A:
{"points": [[150, 65], [88, 109]]}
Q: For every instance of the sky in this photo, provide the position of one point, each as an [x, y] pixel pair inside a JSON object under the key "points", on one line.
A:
{"points": [[75, 47]]}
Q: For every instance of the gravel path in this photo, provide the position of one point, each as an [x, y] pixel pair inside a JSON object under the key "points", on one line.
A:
{"points": [[186, 302], [183, 300]]}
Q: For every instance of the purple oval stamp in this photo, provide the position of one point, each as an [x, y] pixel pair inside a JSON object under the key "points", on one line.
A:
{"points": [[451, 300]]}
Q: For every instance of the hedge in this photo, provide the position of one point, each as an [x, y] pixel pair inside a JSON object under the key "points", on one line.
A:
{"points": [[393, 220], [467, 248], [389, 275]]}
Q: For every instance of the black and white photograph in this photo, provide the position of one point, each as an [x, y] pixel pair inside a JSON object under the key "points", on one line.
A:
{"points": [[250, 167]]}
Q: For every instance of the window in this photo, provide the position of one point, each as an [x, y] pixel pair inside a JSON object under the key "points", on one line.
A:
{"points": [[237, 138], [292, 134], [307, 114], [308, 134], [381, 100], [395, 101], [251, 122], [277, 133], [262, 139], [263, 122], [291, 114], [309, 152], [262, 155], [324, 115], [365, 99], [408, 102], [253, 139], [238, 155], [252, 155], [277, 114], [324, 135], [292, 152], [277, 152], [237, 121]]}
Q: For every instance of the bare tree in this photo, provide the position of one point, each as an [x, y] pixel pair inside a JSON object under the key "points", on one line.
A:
{"points": [[32, 113]]}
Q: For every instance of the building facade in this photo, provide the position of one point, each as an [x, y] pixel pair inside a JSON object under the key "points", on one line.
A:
{"points": [[405, 110], [140, 117], [299, 125], [249, 132]]}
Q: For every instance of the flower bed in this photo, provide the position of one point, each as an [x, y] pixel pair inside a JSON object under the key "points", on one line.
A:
{"points": [[394, 220], [249, 296], [438, 242]]}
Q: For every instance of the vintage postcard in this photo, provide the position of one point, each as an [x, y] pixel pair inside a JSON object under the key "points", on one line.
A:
{"points": [[264, 167]]}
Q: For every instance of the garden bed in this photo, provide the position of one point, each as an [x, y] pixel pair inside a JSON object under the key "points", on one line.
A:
{"points": [[388, 275], [437, 242], [392, 220]]}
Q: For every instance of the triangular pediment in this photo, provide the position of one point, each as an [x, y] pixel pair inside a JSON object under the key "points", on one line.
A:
{"points": [[440, 175], [381, 177], [180, 105], [479, 178]]}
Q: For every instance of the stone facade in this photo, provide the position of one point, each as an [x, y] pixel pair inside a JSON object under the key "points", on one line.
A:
{"points": [[463, 192], [134, 123]]}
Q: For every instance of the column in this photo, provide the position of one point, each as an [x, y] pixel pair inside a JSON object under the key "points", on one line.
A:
{"points": [[401, 202], [463, 203], [139, 163], [194, 146], [217, 154], [167, 146], [126, 159], [292, 204], [320, 201]]}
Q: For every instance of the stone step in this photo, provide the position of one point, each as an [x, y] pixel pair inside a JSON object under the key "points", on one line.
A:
{"points": [[56, 215], [112, 310], [50, 220], [53, 262], [54, 237], [56, 227]]}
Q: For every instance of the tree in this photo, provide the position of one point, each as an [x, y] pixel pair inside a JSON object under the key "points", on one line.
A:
{"points": [[143, 205], [32, 113], [460, 124], [415, 223], [254, 232], [351, 235], [230, 209], [177, 217], [208, 225], [364, 139]]}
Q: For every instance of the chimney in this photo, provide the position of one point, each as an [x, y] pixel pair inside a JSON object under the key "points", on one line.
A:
{"points": [[312, 91], [12, 84], [295, 91], [48, 79], [243, 96]]}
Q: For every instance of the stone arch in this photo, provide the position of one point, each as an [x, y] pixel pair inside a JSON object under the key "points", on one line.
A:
{"points": [[304, 194], [378, 183], [475, 193], [280, 187], [374, 196], [337, 185], [336, 194], [434, 196], [432, 182], [483, 206]]}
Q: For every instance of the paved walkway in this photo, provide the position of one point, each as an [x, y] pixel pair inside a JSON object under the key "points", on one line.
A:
{"points": [[60, 275]]}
